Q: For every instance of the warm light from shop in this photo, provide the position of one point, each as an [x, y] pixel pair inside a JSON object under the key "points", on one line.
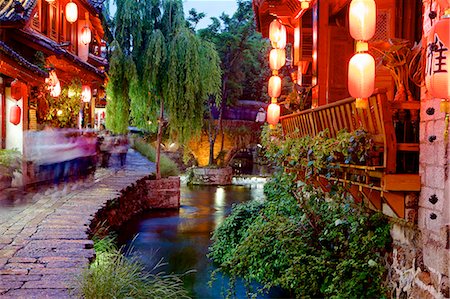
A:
{"points": [[71, 12], [274, 87], [304, 4], [273, 114], [361, 75], [85, 35], [277, 59], [362, 19], [86, 93]]}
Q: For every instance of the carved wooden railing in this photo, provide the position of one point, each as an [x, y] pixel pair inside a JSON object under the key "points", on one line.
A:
{"points": [[380, 180]]}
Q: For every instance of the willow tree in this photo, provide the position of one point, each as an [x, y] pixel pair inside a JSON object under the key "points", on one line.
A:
{"points": [[170, 71]]}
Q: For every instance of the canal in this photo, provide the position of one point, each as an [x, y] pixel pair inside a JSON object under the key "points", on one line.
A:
{"points": [[182, 237]]}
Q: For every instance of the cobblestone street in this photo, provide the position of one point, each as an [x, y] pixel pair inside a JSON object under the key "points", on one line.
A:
{"points": [[44, 241]]}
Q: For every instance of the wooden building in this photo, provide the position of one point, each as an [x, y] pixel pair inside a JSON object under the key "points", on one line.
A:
{"points": [[37, 42], [410, 180]]}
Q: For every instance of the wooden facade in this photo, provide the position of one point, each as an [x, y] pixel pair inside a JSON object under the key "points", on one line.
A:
{"points": [[327, 47]]}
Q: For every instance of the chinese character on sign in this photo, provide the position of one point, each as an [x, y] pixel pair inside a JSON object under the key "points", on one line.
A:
{"points": [[437, 58]]}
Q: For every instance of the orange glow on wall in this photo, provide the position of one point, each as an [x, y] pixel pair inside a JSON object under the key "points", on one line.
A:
{"points": [[274, 87], [361, 75], [436, 74], [273, 114], [362, 18], [85, 35], [86, 93], [277, 58], [71, 12]]}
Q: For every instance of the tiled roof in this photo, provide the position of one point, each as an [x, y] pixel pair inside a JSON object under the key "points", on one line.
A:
{"points": [[16, 10], [7, 51], [60, 51]]}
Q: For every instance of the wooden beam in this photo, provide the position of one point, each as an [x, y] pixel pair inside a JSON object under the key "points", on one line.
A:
{"points": [[373, 196], [337, 5], [401, 182], [396, 201], [408, 147]]}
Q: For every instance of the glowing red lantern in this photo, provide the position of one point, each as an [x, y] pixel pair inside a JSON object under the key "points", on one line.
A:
{"points": [[362, 19], [277, 34], [438, 43], [15, 114], [361, 75], [86, 93], [273, 114], [277, 58], [85, 35], [18, 89], [274, 87], [71, 12]]}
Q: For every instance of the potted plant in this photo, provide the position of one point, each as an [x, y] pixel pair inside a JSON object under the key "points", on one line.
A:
{"points": [[10, 162]]}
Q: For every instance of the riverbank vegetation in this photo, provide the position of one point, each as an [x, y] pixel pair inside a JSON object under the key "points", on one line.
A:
{"points": [[307, 242], [113, 275], [168, 167]]}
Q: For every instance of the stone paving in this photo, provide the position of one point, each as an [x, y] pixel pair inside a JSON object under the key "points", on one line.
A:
{"points": [[44, 243]]}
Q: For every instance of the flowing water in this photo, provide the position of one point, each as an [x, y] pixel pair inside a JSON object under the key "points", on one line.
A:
{"points": [[182, 237]]}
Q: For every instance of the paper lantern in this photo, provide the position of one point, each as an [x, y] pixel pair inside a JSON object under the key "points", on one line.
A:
{"points": [[362, 19], [15, 114], [273, 114], [56, 90], [304, 4], [86, 93], [274, 87], [71, 12], [277, 59], [18, 89], [277, 34], [361, 75], [436, 75], [85, 35]]}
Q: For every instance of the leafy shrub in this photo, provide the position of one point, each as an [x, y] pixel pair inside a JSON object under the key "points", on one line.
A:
{"points": [[167, 166], [305, 243], [113, 275], [10, 162]]}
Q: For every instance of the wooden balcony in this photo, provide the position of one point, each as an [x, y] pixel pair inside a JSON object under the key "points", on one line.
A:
{"points": [[392, 171]]}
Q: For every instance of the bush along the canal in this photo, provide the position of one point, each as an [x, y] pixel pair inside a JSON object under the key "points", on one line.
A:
{"points": [[114, 275], [307, 242]]}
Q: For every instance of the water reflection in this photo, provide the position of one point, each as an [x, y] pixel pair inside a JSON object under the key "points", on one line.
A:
{"points": [[182, 237]]}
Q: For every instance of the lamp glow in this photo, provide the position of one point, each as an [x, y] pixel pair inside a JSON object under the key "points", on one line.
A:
{"points": [[362, 19]]}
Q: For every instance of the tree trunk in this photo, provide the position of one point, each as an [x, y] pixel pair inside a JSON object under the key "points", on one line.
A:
{"points": [[211, 152], [158, 140]]}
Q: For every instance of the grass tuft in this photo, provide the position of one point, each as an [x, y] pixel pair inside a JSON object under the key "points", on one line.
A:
{"points": [[168, 166]]}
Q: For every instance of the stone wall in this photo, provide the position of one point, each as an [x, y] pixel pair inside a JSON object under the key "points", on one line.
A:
{"points": [[420, 264], [143, 195]]}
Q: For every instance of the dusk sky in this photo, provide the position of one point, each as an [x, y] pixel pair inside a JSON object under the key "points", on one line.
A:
{"points": [[212, 8]]}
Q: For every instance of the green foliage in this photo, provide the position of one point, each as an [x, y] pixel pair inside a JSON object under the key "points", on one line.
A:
{"points": [[63, 111], [121, 72], [113, 275], [10, 162], [168, 167], [306, 242], [317, 154]]}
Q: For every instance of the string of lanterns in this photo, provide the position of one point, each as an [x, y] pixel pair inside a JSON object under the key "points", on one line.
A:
{"points": [[277, 59], [361, 67]]}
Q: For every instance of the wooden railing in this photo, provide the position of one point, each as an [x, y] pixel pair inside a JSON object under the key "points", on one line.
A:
{"points": [[384, 175]]}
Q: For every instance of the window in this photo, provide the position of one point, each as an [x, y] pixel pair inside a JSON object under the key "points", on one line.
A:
{"points": [[53, 21], [36, 21]]}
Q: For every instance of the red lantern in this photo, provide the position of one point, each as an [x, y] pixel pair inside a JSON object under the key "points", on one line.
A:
{"points": [[273, 114], [86, 93], [438, 43], [85, 35], [362, 19], [361, 75], [277, 34], [274, 87], [277, 58], [15, 114], [18, 89], [71, 12]]}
